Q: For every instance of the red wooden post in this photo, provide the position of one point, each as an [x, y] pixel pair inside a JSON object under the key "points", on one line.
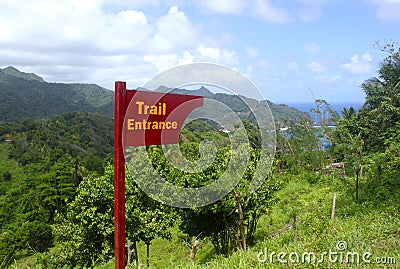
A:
{"points": [[122, 99], [119, 176]]}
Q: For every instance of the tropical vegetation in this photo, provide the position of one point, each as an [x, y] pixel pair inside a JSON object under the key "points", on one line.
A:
{"points": [[330, 190]]}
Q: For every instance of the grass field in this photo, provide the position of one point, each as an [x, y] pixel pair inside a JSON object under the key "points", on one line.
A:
{"points": [[359, 236]]}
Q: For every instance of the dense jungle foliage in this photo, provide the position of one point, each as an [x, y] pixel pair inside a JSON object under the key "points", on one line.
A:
{"points": [[326, 186]]}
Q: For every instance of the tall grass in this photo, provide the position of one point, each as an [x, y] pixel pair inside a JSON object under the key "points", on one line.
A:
{"points": [[364, 227]]}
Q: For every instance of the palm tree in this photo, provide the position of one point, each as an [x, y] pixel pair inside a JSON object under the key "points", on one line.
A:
{"points": [[348, 113]]}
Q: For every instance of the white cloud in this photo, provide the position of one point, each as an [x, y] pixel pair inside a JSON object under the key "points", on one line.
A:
{"points": [[174, 31], [264, 10], [222, 56], [328, 79], [312, 47], [358, 66], [366, 57], [265, 65], [134, 17], [209, 52], [83, 7], [267, 10], [126, 32], [309, 13], [303, 10], [82, 41], [200, 54], [132, 3], [235, 7], [249, 71], [390, 1], [388, 10], [228, 58], [310, 10], [252, 53], [313, 2], [316, 67], [166, 61]]}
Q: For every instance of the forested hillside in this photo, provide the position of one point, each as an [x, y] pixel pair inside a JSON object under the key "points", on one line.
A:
{"points": [[237, 103], [26, 96], [54, 135], [42, 162], [331, 199]]}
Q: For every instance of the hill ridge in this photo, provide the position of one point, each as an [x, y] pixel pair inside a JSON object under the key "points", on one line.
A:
{"points": [[12, 71], [26, 95]]}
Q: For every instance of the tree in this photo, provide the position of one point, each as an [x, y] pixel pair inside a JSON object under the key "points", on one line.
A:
{"points": [[37, 235], [146, 219], [300, 147], [347, 141], [348, 113], [380, 113], [232, 221], [369, 140], [7, 176], [86, 229]]}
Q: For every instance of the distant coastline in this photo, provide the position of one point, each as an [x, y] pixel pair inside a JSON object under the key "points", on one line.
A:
{"points": [[338, 107]]}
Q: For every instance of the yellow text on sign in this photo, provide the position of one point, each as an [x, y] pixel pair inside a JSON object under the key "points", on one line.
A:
{"points": [[160, 109]]}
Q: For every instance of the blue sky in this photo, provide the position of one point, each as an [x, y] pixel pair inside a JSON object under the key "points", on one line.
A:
{"points": [[288, 49]]}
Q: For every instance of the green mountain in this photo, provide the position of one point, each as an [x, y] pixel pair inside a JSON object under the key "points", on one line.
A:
{"points": [[25, 95], [77, 134], [12, 71], [237, 103], [202, 91]]}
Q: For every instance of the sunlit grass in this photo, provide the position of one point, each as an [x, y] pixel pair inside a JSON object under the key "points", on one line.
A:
{"points": [[363, 226]]}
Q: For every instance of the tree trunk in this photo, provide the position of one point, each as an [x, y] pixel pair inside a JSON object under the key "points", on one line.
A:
{"points": [[295, 228], [135, 250], [237, 237], [148, 254], [193, 250], [216, 244], [344, 174], [251, 228], [358, 180], [129, 252], [333, 206], [358, 172], [241, 222]]}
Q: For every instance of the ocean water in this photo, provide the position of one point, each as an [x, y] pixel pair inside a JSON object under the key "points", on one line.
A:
{"points": [[338, 107]]}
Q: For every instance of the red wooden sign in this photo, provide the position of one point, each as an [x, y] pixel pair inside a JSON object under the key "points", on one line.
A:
{"points": [[154, 118], [142, 118]]}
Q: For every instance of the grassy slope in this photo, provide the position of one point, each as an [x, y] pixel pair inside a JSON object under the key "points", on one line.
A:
{"points": [[364, 227], [10, 166]]}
